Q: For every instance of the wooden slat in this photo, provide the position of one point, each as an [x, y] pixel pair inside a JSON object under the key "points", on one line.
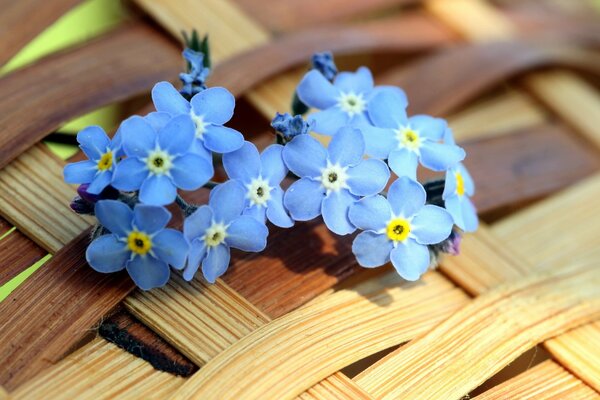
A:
{"points": [[39, 15], [100, 370], [18, 253], [486, 335], [545, 381], [336, 387], [118, 65], [305, 346]]}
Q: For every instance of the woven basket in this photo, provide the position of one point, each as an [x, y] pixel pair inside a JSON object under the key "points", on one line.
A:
{"points": [[516, 81]]}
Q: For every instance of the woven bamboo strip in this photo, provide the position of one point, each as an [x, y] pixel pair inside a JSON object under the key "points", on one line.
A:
{"points": [[18, 253], [35, 199], [100, 370], [336, 387], [579, 351], [485, 336], [307, 345], [545, 381]]}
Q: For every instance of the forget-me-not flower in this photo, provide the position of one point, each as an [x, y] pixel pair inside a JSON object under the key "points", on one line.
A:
{"points": [[138, 241], [409, 141], [159, 162], [344, 102], [208, 110], [398, 228], [102, 155], [212, 229], [458, 189], [261, 175], [193, 80], [331, 179]]}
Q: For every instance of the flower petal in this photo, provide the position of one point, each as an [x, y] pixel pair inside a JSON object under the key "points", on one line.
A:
{"points": [[158, 190], [368, 177], [303, 199], [360, 81], [100, 182], [305, 156], [410, 259], [129, 174], [167, 99], [138, 137], [347, 147], [406, 197], [177, 135], [150, 219], [387, 109], [107, 254], [93, 141], [371, 249], [428, 127], [148, 272], [196, 224], [329, 121], [259, 213], [379, 142], [272, 166], [243, 164], [227, 201], [440, 157], [404, 162], [431, 225], [222, 139], [191, 171], [170, 246], [114, 216], [247, 234], [157, 120], [453, 205], [316, 91], [216, 262], [450, 183], [276, 212], [467, 179], [335, 212], [370, 213], [214, 104], [469, 213], [80, 172], [195, 257]]}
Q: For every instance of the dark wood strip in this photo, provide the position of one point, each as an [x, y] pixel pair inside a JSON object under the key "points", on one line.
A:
{"points": [[18, 253], [35, 100], [21, 21], [5, 226], [470, 70]]}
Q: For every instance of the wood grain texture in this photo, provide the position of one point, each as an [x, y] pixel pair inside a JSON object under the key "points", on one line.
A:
{"points": [[34, 197], [100, 370], [48, 314], [120, 64], [16, 33], [307, 345], [546, 381], [336, 387], [486, 335], [18, 253]]}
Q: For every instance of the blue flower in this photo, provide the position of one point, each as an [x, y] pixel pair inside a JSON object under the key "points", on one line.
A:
{"points": [[208, 110], [408, 141], [138, 241], [102, 155], [323, 62], [160, 162], [398, 228], [332, 179], [193, 80], [343, 102], [261, 175], [212, 229], [458, 189], [289, 127]]}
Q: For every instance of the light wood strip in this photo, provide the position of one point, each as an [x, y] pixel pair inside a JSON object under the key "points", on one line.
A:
{"points": [[546, 381], [307, 345], [100, 370], [3, 394], [579, 351], [337, 387], [36, 200], [485, 336]]}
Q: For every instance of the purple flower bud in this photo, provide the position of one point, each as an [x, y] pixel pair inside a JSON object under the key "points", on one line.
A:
{"points": [[82, 206], [109, 193], [452, 244]]}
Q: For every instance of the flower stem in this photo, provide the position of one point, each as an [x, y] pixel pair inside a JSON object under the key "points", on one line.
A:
{"points": [[186, 208]]}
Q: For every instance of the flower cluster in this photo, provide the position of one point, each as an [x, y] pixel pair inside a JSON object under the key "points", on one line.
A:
{"points": [[127, 181]]}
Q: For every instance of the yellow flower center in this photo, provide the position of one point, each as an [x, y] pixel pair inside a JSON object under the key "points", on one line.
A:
{"points": [[139, 243], [159, 162], [398, 229], [105, 161], [460, 184], [408, 138], [215, 234]]}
